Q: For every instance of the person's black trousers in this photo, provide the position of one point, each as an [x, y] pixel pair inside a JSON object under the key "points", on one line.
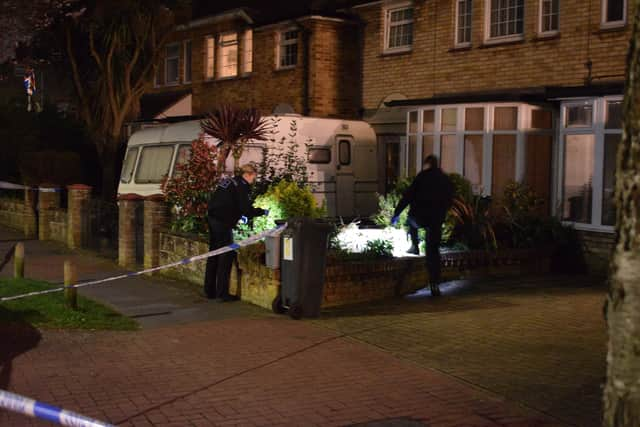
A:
{"points": [[433, 239], [218, 272]]}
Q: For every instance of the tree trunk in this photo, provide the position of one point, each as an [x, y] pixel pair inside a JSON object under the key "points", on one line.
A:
{"points": [[111, 163], [622, 391]]}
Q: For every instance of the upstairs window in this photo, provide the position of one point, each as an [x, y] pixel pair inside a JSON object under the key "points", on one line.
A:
{"points": [[288, 49], [506, 19], [247, 52], [209, 51], [549, 12], [172, 64], [228, 55], [614, 12], [399, 28], [463, 22]]}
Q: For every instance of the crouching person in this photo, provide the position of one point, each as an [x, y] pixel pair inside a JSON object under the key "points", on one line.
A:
{"points": [[230, 202]]}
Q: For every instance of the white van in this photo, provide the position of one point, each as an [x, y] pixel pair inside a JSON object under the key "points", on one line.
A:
{"points": [[341, 159]]}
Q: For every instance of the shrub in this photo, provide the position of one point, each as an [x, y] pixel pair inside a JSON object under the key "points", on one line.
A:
{"points": [[524, 227], [189, 189], [378, 249], [387, 204], [283, 200], [473, 223]]}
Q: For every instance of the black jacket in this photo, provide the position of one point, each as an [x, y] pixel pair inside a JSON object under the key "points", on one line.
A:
{"points": [[230, 201], [429, 197]]}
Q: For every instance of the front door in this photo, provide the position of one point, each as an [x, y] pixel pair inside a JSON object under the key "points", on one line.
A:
{"points": [[344, 177]]}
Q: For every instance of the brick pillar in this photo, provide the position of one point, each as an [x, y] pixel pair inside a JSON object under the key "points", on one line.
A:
{"points": [[127, 204], [78, 215], [155, 219], [30, 218], [47, 202]]}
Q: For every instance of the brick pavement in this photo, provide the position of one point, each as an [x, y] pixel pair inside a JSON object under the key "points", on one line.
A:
{"points": [[245, 372], [537, 341]]}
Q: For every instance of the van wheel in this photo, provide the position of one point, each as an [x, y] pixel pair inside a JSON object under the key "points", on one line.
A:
{"points": [[276, 305], [295, 311]]}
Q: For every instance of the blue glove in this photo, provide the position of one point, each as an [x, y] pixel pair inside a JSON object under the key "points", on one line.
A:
{"points": [[266, 212], [244, 219], [394, 220]]}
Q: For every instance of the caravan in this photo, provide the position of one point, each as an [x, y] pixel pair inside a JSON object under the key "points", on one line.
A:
{"points": [[342, 159]]}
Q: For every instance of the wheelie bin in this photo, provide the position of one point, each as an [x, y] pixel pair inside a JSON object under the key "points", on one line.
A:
{"points": [[302, 266]]}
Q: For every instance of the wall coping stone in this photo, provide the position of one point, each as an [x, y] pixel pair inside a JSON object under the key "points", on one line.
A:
{"points": [[130, 196], [79, 187]]}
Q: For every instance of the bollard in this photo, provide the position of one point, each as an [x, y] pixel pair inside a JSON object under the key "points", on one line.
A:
{"points": [[70, 294], [18, 261]]}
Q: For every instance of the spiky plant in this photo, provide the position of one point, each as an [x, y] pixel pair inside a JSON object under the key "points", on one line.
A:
{"points": [[234, 127]]}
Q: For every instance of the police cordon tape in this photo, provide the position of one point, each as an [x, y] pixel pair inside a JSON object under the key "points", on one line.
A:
{"points": [[32, 408], [11, 186], [247, 242]]}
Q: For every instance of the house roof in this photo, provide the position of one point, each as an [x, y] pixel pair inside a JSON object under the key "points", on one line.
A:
{"points": [[264, 13], [152, 104]]}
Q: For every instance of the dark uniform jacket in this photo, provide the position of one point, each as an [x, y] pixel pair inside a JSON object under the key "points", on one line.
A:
{"points": [[230, 201], [429, 197]]}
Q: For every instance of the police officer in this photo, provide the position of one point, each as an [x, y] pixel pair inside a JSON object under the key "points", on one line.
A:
{"points": [[230, 202], [429, 197]]}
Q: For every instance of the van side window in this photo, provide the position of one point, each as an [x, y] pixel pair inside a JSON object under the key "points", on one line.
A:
{"points": [[182, 158], [319, 155], [344, 152], [128, 165], [154, 164]]}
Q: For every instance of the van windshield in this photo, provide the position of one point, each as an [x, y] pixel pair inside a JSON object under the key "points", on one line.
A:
{"points": [[154, 164], [128, 165]]}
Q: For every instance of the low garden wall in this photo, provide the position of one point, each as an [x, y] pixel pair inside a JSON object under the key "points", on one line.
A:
{"points": [[58, 225], [347, 281], [12, 212], [597, 249]]}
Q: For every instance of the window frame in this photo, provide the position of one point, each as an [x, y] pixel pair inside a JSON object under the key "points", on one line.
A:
{"points": [[131, 179], [598, 130], [245, 53], [280, 44], [173, 147], [488, 39], [209, 76], [220, 51], [386, 18], [319, 148], [187, 61], [541, 31], [347, 142], [166, 64], [457, 42], [613, 24]]}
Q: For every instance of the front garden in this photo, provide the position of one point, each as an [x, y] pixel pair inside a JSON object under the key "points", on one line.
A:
{"points": [[367, 257]]}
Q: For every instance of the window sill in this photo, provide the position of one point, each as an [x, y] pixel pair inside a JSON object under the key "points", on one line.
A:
{"points": [[394, 52], [172, 84], [287, 68], [224, 79], [608, 229], [461, 48], [611, 27], [502, 41], [547, 36]]}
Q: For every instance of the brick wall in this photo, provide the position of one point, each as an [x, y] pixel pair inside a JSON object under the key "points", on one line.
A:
{"points": [[434, 66], [332, 57], [11, 213], [598, 249], [58, 225]]}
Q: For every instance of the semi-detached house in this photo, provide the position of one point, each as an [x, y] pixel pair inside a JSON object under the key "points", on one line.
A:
{"points": [[501, 90]]}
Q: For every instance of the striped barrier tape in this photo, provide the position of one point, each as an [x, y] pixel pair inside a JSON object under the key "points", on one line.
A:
{"points": [[11, 186], [247, 242], [34, 409]]}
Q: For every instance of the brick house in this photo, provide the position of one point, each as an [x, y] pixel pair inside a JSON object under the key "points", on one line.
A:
{"points": [[287, 58], [502, 90]]}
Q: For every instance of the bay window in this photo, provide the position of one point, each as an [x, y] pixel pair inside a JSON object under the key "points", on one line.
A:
{"points": [[590, 135]]}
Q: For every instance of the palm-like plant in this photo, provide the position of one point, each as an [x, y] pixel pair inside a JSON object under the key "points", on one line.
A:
{"points": [[233, 127], [473, 223]]}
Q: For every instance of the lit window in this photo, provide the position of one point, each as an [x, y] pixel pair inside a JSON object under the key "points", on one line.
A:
{"points": [[187, 61], [247, 51], [154, 164], [172, 64], [614, 12], [463, 22], [399, 28], [228, 55], [288, 49], [549, 12], [209, 51], [506, 18]]}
